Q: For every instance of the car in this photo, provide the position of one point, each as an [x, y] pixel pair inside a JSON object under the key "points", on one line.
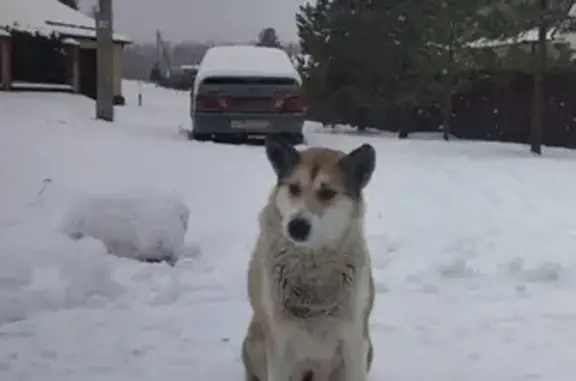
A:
{"points": [[181, 78], [245, 91]]}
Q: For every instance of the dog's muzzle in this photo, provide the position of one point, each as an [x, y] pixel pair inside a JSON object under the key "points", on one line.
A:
{"points": [[299, 229]]}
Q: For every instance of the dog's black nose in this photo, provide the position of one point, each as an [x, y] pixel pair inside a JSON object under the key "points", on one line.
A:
{"points": [[299, 229]]}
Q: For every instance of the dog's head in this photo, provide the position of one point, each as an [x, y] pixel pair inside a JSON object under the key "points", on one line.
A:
{"points": [[319, 190]]}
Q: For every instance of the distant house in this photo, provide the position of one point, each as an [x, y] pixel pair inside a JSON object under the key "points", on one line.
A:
{"points": [[76, 31], [527, 39]]}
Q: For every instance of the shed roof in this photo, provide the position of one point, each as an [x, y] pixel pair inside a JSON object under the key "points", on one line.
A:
{"points": [[48, 16]]}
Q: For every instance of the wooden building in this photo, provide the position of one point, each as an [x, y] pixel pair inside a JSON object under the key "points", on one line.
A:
{"points": [[76, 31]]}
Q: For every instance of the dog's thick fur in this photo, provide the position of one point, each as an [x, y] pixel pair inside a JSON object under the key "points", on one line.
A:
{"points": [[312, 298]]}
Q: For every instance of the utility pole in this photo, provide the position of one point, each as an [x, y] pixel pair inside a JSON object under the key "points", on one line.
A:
{"points": [[105, 71], [159, 51]]}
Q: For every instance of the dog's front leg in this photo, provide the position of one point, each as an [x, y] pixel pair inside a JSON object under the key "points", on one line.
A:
{"points": [[354, 355], [277, 359]]}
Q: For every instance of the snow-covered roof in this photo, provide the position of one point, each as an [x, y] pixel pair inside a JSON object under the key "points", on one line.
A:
{"points": [[189, 67], [70, 41], [48, 16], [246, 60], [524, 37]]}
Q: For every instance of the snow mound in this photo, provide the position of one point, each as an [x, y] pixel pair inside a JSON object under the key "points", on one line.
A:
{"points": [[139, 226], [76, 277], [14, 274]]}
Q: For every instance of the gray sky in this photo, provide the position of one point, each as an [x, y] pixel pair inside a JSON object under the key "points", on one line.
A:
{"points": [[199, 20]]}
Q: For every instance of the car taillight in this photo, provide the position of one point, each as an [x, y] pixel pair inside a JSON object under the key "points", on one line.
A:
{"points": [[209, 102], [294, 105]]}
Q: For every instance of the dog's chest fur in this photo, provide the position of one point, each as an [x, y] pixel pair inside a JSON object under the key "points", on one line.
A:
{"points": [[308, 285]]}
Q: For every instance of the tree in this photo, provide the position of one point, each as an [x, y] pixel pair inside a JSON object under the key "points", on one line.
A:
{"points": [[452, 26], [344, 74], [548, 17], [371, 61], [94, 11], [71, 3], [155, 74], [269, 38], [538, 96], [314, 33], [373, 56]]}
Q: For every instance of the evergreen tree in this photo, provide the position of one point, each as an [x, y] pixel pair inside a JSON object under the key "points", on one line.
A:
{"points": [[155, 74], [369, 60], [453, 25], [548, 17], [269, 38], [338, 64], [313, 32], [368, 55]]}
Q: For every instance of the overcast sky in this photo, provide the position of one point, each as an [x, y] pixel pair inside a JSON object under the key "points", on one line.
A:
{"points": [[219, 20]]}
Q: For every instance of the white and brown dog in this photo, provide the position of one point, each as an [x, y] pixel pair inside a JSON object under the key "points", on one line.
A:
{"points": [[310, 280]]}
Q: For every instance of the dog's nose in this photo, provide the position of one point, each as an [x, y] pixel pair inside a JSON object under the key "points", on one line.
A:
{"points": [[299, 229]]}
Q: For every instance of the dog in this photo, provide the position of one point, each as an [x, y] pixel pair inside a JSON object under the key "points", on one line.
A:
{"points": [[310, 281]]}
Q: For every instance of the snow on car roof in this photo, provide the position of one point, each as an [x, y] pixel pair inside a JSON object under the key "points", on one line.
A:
{"points": [[246, 60]]}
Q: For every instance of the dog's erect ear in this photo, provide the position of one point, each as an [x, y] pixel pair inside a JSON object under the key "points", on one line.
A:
{"points": [[281, 155], [358, 167]]}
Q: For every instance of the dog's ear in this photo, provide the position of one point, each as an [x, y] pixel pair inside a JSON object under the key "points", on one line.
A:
{"points": [[358, 167], [282, 156]]}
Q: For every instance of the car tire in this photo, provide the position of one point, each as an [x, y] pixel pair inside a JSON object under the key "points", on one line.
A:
{"points": [[230, 138], [297, 139], [198, 136]]}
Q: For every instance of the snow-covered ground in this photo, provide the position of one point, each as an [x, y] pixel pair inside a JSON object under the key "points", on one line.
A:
{"points": [[473, 244]]}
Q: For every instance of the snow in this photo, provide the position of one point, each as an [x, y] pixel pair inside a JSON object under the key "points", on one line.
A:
{"points": [[189, 67], [305, 58], [131, 225], [472, 246], [40, 86], [48, 16], [246, 60], [528, 36], [70, 41]]}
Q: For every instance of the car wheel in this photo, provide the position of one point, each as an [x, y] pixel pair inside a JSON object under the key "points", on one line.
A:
{"points": [[230, 138], [201, 137]]}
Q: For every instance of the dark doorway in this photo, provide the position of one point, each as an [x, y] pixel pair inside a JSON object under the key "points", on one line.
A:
{"points": [[88, 72], [38, 59]]}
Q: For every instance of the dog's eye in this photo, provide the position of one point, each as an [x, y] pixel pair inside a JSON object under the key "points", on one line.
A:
{"points": [[294, 189], [326, 194]]}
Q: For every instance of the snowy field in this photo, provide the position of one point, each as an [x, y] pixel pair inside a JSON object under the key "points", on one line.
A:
{"points": [[473, 245]]}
